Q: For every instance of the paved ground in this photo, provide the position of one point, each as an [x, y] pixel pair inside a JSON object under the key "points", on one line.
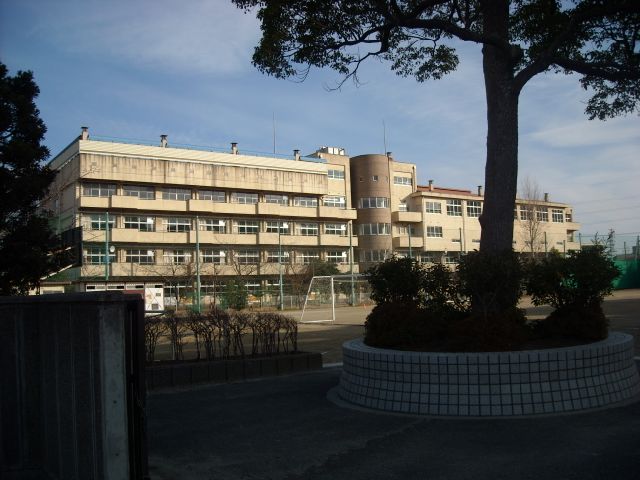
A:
{"points": [[287, 428]]}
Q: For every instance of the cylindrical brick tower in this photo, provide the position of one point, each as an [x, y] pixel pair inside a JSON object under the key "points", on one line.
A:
{"points": [[370, 180]]}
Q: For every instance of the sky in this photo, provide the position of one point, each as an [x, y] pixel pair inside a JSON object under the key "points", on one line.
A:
{"points": [[138, 69]]}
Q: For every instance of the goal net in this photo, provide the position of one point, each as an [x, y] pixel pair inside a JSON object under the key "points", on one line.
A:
{"points": [[327, 294]]}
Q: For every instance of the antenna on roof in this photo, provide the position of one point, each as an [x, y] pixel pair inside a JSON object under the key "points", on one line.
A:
{"points": [[384, 135], [274, 132]]}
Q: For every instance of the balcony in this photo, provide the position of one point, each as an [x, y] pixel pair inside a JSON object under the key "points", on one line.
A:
{"points": [[209, 207], [337, 241], [337, 212], [214, 238], [406, 217], [94, 202], [403, 242]]}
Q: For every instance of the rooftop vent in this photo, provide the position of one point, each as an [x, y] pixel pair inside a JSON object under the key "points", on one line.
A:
{"points": [[85, 133], [234, 148], [296, 154], [163, 141]]}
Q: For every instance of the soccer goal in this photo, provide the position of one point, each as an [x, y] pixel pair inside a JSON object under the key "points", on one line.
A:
{"points": [[330, 292]]}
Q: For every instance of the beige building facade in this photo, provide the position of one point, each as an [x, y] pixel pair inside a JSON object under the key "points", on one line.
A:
{"points": [[159, 215]]}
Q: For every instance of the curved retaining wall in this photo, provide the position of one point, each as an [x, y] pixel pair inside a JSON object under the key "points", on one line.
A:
{"points": [[491, 384]]}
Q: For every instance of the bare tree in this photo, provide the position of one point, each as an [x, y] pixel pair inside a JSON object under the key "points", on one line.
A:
{"points": [[532, 216]]}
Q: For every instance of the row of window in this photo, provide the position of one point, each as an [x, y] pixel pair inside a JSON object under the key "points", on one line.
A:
{"points": [[375, 256], [219, 196], [146, 223], [95, 255], [558, 215]]}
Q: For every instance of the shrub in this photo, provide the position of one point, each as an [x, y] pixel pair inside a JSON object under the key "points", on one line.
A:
{"points": [[235, 295], [397, 280], [500, 331], [575, 286], [404, 326], [580, 280], [493, 282]]}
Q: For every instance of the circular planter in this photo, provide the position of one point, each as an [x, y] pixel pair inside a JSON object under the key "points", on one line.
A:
{"points": [[529, 382]]}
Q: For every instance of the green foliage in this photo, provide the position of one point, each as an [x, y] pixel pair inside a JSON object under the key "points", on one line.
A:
{"points": [[580, 280], [404, 325], [575, 286], [235, 295], [493, 282], [592, 38], [25, 237], [397, 280], [493, 331]]}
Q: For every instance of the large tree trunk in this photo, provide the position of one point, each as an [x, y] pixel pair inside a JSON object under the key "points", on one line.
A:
{"points": [[501, 171]]}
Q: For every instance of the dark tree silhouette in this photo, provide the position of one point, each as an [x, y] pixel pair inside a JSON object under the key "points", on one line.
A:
{"points": [[25, 236], [597, 39]]}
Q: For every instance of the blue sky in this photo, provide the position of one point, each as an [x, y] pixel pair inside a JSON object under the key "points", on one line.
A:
{"points": [[136, 69]]}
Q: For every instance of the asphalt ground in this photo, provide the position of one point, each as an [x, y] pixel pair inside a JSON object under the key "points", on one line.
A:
{"points": [[289, 428]]}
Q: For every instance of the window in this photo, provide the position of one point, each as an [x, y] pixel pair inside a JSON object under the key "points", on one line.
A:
{"points": [[374, 178], [450, 260], [557, 215], [337, 256], [435, 232], [98, 189], [526, 213], [247, 257], [177, 224], [308, 229], [248, 226], [568, 217], [307, 256], [244, 198], [273, 256], [277, 199], [433, 207], [96, 256], [178, 257], [474, 208], [570, 236], [335, 228], [336, 174], [213, 225], [140, 191], [405, 229], [374, 229], [209, 255], [402, 181], [272, 226], [176, 194], [99, 222], [139, 255], [402, 207], [373, 255], [542, 214], [305, 201], [334, 201], [374, 202], [217, 196], [454, 208], [142, 224]]}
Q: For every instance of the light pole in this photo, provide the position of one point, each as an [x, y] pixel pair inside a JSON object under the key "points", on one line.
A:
{"points": [[409, 231], [281, 225], [198, 285], [106, 249]]}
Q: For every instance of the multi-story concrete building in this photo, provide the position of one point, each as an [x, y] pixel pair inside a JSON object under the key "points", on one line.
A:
{"points": [[161, 215]]}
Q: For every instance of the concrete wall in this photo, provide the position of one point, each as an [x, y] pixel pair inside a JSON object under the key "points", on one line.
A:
{"points": [[65, 394]]}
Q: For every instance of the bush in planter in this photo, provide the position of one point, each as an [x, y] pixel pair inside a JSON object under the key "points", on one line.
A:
{"points": [[575, 287], [414, 304]]}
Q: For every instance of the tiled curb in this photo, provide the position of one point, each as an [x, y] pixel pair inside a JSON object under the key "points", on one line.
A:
{"points": [[500, 384], [222, 371]]}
